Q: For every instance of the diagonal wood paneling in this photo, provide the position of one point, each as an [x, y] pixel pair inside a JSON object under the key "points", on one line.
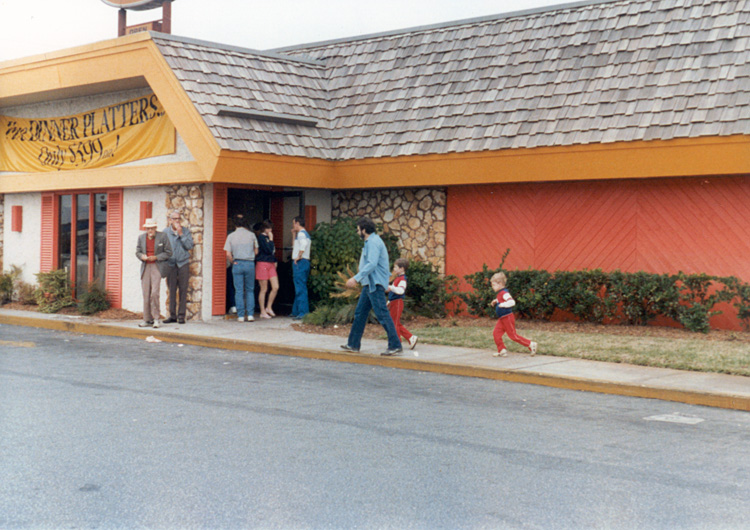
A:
{"points": [[585, 225], [695, 225], [483, 221], [660, 225]]}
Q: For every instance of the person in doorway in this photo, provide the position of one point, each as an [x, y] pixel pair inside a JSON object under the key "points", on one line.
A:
{"points": [[373, 275], [506, 322], [241, 247], [265, 269], [300, 267], [396, 293], [178, 267], [153, 249]]}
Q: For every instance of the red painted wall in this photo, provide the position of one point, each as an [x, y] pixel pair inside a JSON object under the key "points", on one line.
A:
{"points": [[662, 225]]}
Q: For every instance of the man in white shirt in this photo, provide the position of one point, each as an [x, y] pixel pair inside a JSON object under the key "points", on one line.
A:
{"points": [[300, 267]]}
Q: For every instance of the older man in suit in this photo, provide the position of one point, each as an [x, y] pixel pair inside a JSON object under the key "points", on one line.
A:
{"points": [[153, 250]]}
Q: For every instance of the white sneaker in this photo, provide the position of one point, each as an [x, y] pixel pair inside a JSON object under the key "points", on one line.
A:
{"points": [[157, 324], [233, 310], [145, 324], [533, 348], [250, 318], [413, 342], [240, 319], [501, 353]]}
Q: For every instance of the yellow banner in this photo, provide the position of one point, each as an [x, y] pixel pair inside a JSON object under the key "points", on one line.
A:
{"points": [[120, 133]]}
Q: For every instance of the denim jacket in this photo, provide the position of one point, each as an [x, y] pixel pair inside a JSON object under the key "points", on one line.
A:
{"points": [[373, 263]]}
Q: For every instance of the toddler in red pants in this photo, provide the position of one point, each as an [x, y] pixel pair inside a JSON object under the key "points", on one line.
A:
{"points": [[506, 322], [396, 292]]}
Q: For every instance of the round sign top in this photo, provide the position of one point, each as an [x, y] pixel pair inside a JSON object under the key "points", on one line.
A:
{"points": [[135, 5]]}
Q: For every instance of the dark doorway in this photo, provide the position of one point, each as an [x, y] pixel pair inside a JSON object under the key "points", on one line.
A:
{"points": [[257, 206]]}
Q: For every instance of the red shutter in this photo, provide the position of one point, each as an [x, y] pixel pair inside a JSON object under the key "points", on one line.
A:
{"points": [[113, 274], [311, 217], [277, 219], [219, 260], [50, 207], [147, 209], [16, 219]]}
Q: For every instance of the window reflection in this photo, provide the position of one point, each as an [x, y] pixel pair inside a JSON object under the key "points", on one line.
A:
{"points": [[89, 242]]}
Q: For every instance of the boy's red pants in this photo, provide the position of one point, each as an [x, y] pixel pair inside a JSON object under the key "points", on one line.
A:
{"points": [[396, 307], [504, 325]]}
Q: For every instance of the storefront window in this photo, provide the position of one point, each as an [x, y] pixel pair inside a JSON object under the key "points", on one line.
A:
{"points": [[89, 241]]}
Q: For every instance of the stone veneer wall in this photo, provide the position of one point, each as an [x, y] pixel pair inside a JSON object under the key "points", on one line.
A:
{"points": [[189, 200], [415, 216]]}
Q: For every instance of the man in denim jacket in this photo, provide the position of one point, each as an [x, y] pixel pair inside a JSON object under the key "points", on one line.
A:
{"points": [[373, 275], [178, 267]]}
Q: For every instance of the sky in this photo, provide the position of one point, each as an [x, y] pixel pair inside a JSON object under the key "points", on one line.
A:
{"points": [[32, 27]]}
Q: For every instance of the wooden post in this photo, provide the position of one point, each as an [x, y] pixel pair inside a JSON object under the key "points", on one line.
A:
{"points": [[122, 22]]}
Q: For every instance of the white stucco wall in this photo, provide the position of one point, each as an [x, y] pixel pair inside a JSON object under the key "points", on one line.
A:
{"points": [[321, 199], [132, 297], [23, 248]]}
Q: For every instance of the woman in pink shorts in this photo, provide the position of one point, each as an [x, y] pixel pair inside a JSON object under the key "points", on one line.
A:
{"points": [[265, 269]]}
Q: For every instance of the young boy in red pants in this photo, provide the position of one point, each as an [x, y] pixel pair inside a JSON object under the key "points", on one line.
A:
{"points": [[506, 322], [396, 293]]}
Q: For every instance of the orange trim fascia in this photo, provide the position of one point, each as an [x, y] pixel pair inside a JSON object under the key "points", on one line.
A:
{"points": [[98, 68], [111, 177], [274, 170], [624, 160]]}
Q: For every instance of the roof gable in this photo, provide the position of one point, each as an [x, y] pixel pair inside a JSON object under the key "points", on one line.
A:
{"points": [[218, 78]]}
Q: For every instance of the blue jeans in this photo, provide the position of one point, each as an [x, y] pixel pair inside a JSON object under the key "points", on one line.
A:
{"points": [[243, 273], [300, 273], [374, 300]]}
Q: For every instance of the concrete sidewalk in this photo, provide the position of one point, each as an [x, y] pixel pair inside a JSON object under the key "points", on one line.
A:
{"points": [[277, 336]]}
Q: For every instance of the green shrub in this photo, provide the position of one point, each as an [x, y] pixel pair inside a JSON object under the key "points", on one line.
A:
{"points": [[336, 246], [94, 299], [8, 284], [642, 296], [739, 292], [479, 298], [24, 293], [582, 293], [6, 288], [531, 290], [427, 292], [595, 296], [335, 313], [54, 291]]}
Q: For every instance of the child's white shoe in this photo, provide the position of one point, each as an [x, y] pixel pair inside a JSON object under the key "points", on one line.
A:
{"points": [[501, 353], [413, 341], [533, 348]]}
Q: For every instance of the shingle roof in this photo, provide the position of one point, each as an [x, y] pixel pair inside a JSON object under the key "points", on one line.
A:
{"points": [[581, 74], [216, 77]]}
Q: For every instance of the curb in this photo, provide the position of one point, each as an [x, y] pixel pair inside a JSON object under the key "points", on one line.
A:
{"points": [[724, 401]]}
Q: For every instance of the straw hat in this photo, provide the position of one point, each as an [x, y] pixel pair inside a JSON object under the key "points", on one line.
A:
{"points": [[150, 223]]}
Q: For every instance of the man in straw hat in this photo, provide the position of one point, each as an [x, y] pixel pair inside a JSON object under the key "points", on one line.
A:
{"points": [[153, 250]]}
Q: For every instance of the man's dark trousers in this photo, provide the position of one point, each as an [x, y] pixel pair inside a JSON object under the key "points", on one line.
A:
{"points": [[372, 300], [177, 280]]}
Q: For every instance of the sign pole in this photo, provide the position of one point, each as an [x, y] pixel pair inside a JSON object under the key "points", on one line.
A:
{"points": [[122, 22]]}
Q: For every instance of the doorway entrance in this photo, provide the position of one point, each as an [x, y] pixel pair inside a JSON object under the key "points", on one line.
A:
{"points": [[256, 205]]}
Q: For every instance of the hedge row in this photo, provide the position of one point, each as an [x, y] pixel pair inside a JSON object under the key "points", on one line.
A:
{"points": [[635, 298]]}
